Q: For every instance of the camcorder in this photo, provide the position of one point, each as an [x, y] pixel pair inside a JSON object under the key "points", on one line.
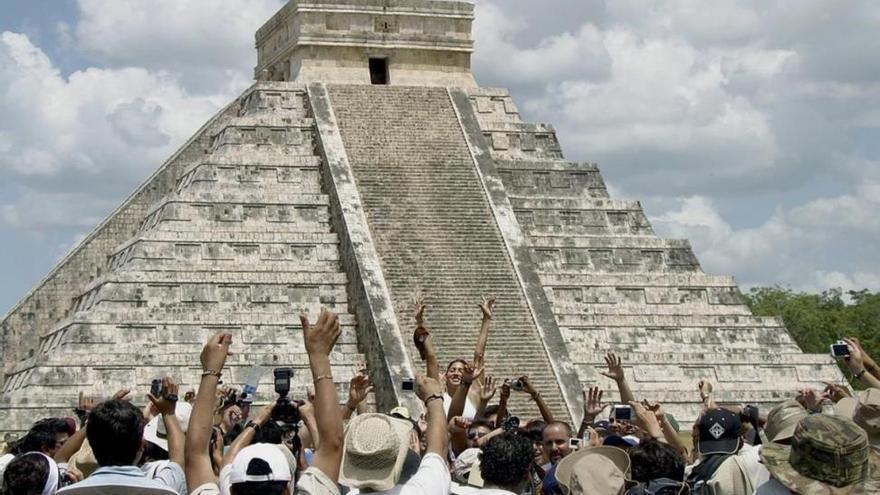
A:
{"points": [[286, 411], [157, 388], [510, 424]]}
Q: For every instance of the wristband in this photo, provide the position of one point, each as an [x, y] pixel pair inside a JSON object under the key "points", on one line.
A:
{"points": [[211, 373], [322, 377], [252, 424], [433, 397]]}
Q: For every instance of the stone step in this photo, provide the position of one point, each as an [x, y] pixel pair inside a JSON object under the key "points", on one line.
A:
{"points": [[668, 321], [660, 340], [433, 226]]}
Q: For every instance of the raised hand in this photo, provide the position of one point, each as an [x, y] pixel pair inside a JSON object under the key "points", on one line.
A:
{"points": [[615, 367], [593, 405], [505, 390], [527, 386], [488, 390], [359, 387], [216, 350], [122, 394], [705, 387], [834, 392], [811, 399], [459, 424], [487, 306], [165, 404], [189, 396], [856, 359], [321, 337], [646, 419], [471, 373], [420, 309], [656, 408]]}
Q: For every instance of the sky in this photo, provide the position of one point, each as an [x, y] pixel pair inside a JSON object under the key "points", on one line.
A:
{"points": [[751, 128]]}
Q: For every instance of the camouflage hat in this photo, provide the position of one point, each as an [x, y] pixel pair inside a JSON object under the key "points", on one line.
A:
{"points": [[783, 419], [828, 454], [865, 411]]}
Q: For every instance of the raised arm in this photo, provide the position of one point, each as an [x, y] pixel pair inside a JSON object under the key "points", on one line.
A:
{"points": [[487, 391], [468, 376], [166, 404], [593, 407], [858, 362], [503, 397], [358, 388], [319, 341], [706, 388], [869, 363], [197, 462], [528, 388], [616, 373], [487, 306], [669, 432], [424, 342], [430, 392], [246, 437]]}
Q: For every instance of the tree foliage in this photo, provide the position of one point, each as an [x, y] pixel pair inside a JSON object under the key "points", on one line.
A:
{"points": [[815, 321]]}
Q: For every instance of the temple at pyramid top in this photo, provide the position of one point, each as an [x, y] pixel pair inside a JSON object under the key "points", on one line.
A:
{"points": [[393, 42]]}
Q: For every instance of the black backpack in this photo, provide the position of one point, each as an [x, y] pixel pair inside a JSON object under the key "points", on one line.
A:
{"points": [[662, 486]]}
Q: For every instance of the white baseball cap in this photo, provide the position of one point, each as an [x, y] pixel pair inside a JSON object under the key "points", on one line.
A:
{"points": [[155, 431], [266, 452]]}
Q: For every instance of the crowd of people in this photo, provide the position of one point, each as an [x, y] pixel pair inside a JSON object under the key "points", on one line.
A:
{"points": [[460, 442]]}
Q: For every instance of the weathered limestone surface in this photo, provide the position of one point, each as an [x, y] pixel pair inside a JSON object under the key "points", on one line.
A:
{"points": [[327, 191], [614, 285], [241, 242]]}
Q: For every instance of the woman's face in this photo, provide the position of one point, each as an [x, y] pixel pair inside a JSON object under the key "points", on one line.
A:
{"points": [[453, 374]]}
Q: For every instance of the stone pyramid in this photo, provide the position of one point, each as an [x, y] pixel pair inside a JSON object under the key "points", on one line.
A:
{"points": [[363, 166]]}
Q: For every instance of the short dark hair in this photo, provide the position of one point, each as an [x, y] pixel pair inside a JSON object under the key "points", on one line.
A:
{"points": [[534, 431], [26, 475], [42, 434], [458, 360], [480, 422], [490, 410], [653, 460], [115, 431], [506, 460], [258, 467]]}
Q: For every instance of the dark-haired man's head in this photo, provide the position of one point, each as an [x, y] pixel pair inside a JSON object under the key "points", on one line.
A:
{"points": [[28, 474], [46, 436], [115, 431], [505, 462], [556, 437], [260, 469], [477, 430], [652, 460]]}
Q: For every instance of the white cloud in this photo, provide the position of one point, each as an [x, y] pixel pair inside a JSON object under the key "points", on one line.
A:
{"points": [[205, 43]]}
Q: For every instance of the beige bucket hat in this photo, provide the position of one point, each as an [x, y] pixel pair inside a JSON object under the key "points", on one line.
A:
{"points": [[783, 420], [597, 471], [375, 448], [865, 411]]}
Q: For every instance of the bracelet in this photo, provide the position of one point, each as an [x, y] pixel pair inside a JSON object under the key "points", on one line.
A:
{"points": [[433, 397], [860, 374], [211, 373], [252, 424], [322, 377]]}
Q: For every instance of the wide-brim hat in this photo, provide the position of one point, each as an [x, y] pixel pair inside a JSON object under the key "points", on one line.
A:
{"points": [[783, 420], [775, 458], [596, 470], [864, 410], [155, 432], [374, 451]]}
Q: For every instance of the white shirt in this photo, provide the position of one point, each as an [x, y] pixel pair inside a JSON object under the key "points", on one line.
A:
{"points": [[470, 411]]}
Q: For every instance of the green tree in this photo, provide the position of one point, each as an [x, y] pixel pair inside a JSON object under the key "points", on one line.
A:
{"points": [[815, 321]]}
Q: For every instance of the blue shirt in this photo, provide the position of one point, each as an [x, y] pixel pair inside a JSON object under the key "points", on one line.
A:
{"points": [[121, 480]]}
